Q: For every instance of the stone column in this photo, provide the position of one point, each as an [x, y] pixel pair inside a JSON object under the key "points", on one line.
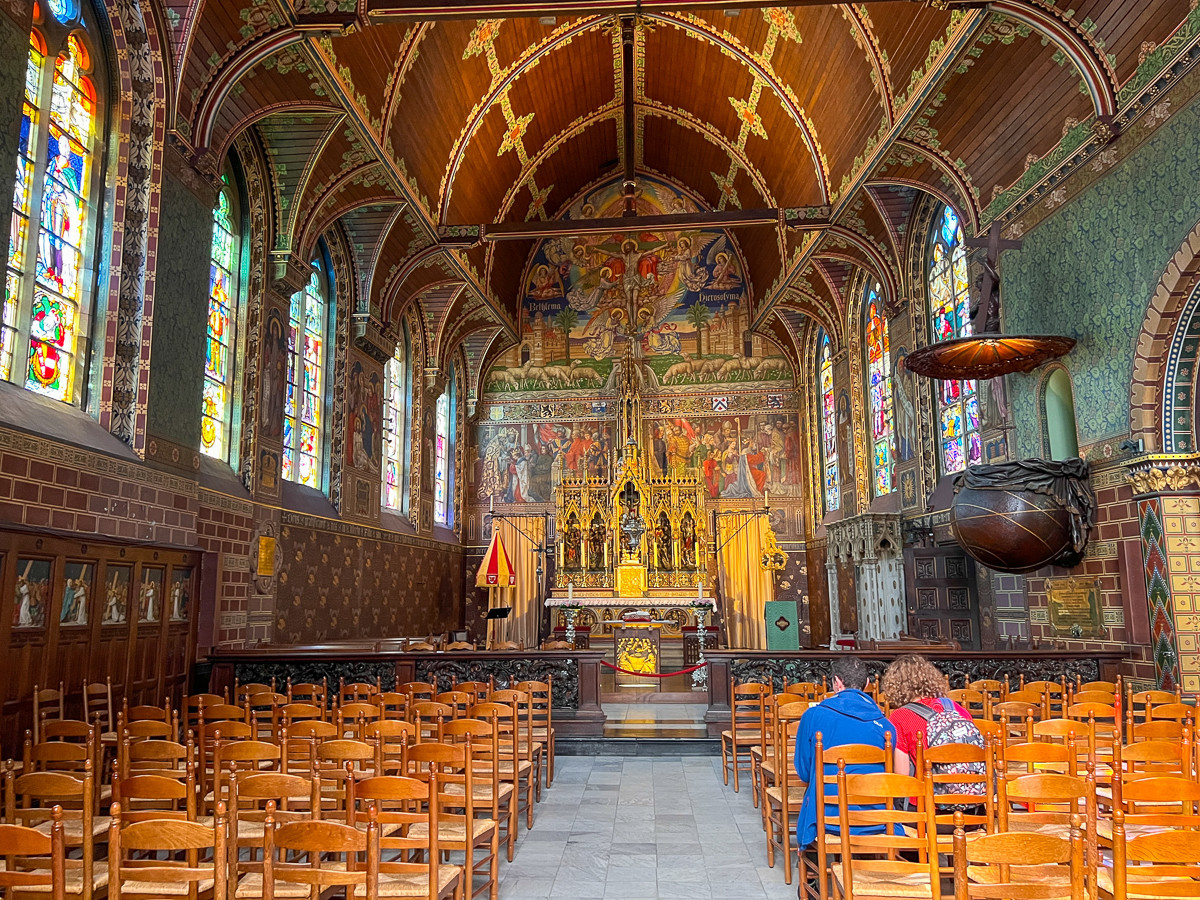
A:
{"points": [[1167, 493]]}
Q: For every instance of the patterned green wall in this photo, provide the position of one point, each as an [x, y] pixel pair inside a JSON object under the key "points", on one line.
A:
{"points": [[1089, 272], [180, 315]]}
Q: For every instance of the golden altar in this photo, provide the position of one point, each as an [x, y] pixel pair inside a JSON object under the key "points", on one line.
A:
{"points": [[631, 526]]}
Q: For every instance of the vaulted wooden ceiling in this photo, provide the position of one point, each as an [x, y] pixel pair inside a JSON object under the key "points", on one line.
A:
{"points": [[406, 122]]}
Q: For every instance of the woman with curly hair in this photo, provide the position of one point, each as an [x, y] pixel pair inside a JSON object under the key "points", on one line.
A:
{"points": [[917, 691]]}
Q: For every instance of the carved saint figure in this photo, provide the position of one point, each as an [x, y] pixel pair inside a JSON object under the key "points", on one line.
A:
{"points": [[597, 536]]}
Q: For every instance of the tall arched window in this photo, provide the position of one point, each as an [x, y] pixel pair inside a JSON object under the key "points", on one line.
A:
{"points": [[950, 309], [395, 414], [441, 471], [879, 391], [223, 294], [1058, 406], [304, 407], [48, 282], [829, 455]]}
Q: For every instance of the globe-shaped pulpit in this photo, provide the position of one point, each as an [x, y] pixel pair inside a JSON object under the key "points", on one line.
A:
{"points": [[1020, 516]]}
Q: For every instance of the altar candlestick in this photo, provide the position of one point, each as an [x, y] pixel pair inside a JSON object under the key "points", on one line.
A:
{"points": [[570, 591], [767, 499], [699, 591], [491, 503]]}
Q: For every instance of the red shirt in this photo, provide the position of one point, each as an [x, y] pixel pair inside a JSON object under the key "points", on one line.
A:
{"points": [[910, 725]]}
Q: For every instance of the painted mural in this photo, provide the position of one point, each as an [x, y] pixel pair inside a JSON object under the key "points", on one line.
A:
{"points": [[688, 288], [740, 457]]}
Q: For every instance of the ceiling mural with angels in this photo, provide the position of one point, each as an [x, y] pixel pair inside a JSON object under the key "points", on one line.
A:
{"points": [[687, 289]]}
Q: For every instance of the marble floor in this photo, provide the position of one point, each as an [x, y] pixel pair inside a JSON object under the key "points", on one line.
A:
{"points": [[657, 720], [642, 828]]}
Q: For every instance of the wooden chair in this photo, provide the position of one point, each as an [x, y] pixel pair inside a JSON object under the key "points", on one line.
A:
{"points": [[357, 692], [135, 870], [392, 704], [815, 869], [458, 701], [298, 745], [1036, 757], [339, 762], [1163, 730], [56, 756], [420, 646], [975, 702], [459, 828], [1048, 804], [1009, 865], [193, 704], [398, 802], [35, 861], [1161, 864], [805, 690], [747, 724], [309, 692], [457, 646], [299, 859], [979, 786], [30, 800], [515, 768], [782, 799], [507, 646], [391, 740], [145, 797], [763, 764], [252, 799], [541, 710], [481, 690], [47, 703], [169, 759], [1152, 804], [872, 865], [528, 745], [429, 717], [994, 688], [238, 756], [418, 690], [243, 691], [350, 718], [98, 702], [557, 645], [493, 796]]}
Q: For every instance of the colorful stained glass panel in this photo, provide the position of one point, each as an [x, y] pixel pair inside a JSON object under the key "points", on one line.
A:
{"points": [[306, 387], [829, 427], [218, 396], [950, 313], [879, 380], [393, 419]]}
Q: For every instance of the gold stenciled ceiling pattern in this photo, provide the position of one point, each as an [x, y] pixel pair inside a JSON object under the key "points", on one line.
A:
{"points": [[406, 130]]}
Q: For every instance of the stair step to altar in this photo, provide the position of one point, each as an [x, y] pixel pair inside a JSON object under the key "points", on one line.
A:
{"points": [[640, 746]]}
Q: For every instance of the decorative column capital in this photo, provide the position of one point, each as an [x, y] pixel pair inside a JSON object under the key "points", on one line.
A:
{"points": [[1164, 473], [371, 338]]}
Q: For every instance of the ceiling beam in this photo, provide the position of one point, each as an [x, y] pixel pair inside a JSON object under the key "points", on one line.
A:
{"points": [[805, 217], [407, 10]]}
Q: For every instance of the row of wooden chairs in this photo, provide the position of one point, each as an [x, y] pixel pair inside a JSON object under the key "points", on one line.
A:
{"points": [[154, 771]]}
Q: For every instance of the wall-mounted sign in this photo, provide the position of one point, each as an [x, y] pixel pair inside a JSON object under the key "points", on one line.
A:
{"points": [[1075, 606]]}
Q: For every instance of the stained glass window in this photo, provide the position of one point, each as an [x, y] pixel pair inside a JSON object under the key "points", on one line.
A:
{"points": [[304, 405], [441, 481], [950, 309], [879, 393], [222, 310], [45, 279], [829, 428], [395, 400]]}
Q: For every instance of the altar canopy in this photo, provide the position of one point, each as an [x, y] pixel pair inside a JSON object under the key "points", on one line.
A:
{"points": [[496, 570], [523, 620], [745, 585]]}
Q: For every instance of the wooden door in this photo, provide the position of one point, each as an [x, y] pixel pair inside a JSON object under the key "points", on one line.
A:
{"points": [[942, 602]]}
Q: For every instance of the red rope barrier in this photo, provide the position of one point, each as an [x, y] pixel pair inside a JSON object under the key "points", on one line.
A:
{"points": [[651, 674]]}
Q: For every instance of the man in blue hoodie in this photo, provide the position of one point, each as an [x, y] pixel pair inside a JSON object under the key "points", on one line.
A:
{"points": [[848, 716]]}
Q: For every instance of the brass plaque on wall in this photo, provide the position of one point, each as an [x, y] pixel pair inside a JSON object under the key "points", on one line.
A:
{"points": [[1075, 606]]}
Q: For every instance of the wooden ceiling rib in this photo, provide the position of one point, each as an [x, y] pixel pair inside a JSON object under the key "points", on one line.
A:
{"points": [[489, 121]]}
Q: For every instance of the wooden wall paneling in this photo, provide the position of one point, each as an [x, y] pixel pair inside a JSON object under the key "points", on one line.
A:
{"points": [[102, 635]]}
